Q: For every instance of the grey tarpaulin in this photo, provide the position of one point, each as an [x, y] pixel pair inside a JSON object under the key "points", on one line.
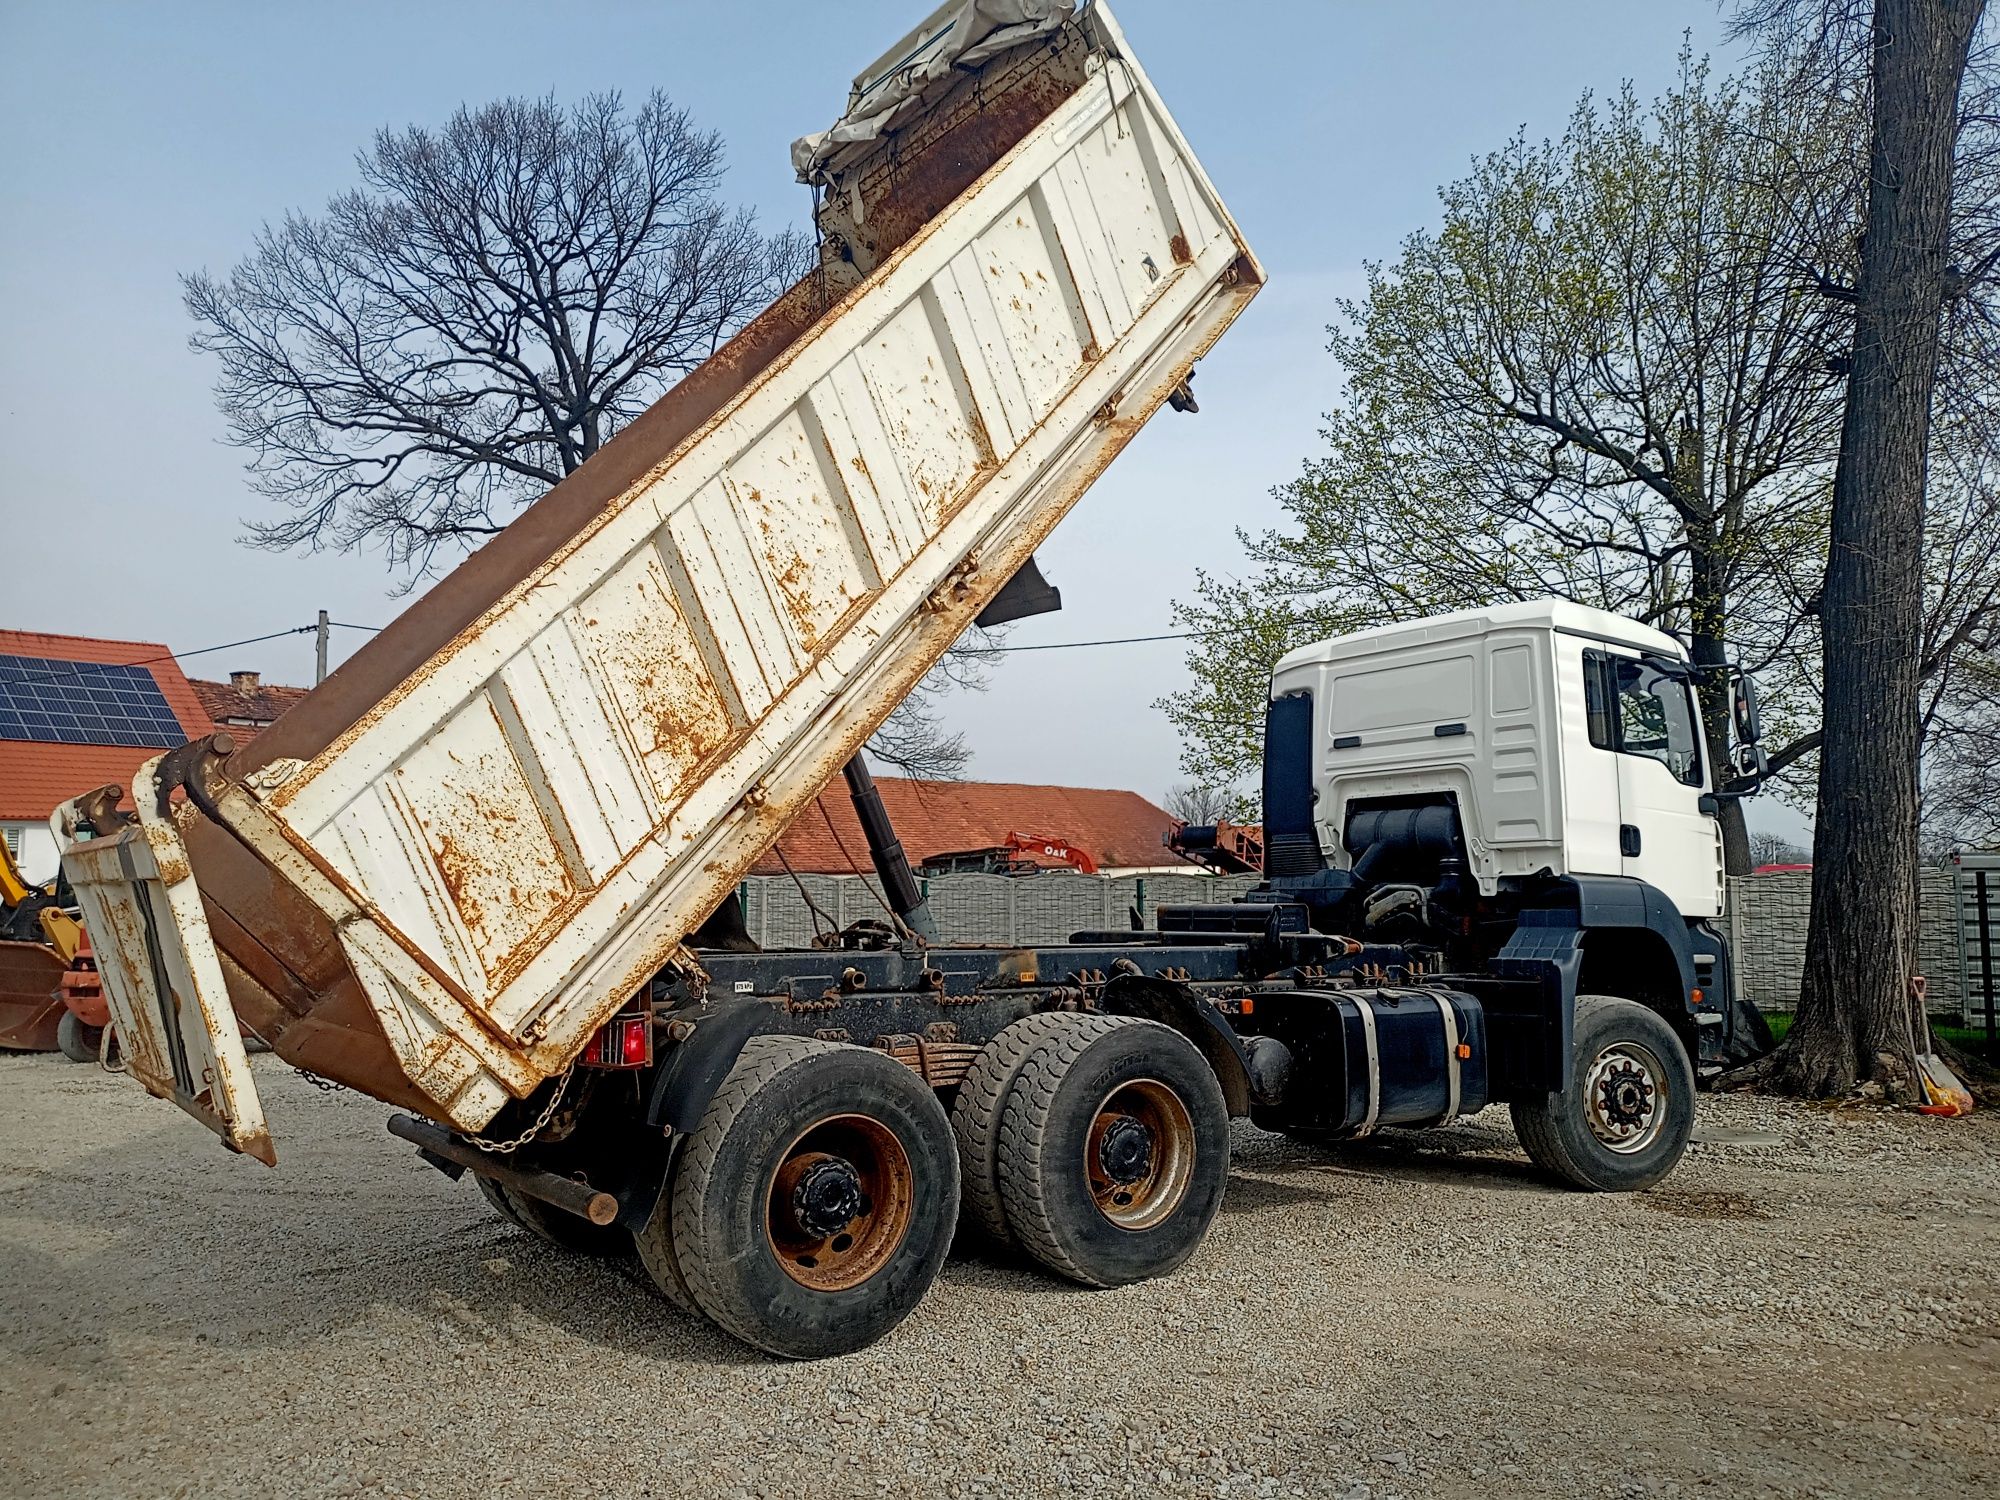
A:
{"points": [[922, 66]]}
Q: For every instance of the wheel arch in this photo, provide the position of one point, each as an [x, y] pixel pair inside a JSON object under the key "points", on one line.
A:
{"points": [[1640, 965], [1179, 1006]]}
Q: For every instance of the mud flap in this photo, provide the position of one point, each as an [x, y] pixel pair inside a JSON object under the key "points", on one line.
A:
{"points": [[157, 962]]}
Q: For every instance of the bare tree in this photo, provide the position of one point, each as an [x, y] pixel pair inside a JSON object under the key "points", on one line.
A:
{"points": [[466, 328], [453, 337], [914, 739], [1961, 787], [1775, 849], [1861, 947], [1201, 804]]}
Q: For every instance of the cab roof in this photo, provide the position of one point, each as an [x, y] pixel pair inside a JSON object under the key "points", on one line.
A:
{"points": [[1464, 624]]}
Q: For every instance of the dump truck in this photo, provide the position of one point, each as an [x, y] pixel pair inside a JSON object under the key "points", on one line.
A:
{"points": [[486, 872]]}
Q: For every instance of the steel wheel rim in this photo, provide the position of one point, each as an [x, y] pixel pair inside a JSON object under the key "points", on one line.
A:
{"points": [[1138, 1155], [1625, 1097], [839, 1203]]}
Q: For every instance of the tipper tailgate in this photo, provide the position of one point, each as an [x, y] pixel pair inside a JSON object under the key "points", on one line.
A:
{"points": [[158, 967]]}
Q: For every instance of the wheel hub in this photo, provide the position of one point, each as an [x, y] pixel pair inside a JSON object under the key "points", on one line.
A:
{"points": [[1623, 1094], [827, 1197], [840, 1202], [1139, 1154], [1125, 1151]]}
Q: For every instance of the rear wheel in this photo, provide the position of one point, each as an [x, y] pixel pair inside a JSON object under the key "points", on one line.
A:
{"points": [[655, 1244], [498, 1200], [78, 1042], [553, 1225], [1625, 1119], [975, 1117], [814, 1204], [1114, 1150]]}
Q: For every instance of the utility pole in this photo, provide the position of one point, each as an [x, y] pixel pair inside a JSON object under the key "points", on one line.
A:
{"points": [[320, 675]]}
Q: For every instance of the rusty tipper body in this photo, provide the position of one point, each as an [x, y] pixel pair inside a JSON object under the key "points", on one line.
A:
{"points": [[437, 877]]}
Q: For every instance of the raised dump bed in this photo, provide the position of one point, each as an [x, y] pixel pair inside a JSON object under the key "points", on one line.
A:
{"points": [[441, 873]]}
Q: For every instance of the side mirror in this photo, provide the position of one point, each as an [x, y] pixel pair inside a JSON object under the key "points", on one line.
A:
{"points": [[1743, 709], [1749, 761]]}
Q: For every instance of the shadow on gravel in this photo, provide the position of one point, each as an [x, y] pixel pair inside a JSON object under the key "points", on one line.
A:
{"points": [[1400, 1159], [125, 1249]]}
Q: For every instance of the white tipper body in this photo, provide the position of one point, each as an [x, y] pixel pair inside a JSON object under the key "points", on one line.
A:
{"points": [[1538, 788], [518, 837]]}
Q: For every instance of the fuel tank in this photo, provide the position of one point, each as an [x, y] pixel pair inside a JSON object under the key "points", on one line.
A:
{"points": [[1360, 1059]]}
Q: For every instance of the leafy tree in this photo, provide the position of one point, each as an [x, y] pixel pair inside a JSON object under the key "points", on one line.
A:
{"points": [[1614, 373], [1854, 1020], [1603, 377]]}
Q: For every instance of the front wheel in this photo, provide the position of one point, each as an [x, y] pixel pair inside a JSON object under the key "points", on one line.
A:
{"points": [[1625, 1118]]}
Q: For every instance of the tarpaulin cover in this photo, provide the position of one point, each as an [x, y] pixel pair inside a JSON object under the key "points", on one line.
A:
{"points": [[899, 88]]}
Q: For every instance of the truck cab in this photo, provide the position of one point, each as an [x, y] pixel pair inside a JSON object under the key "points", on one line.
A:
{"points": [[1433, 781]]}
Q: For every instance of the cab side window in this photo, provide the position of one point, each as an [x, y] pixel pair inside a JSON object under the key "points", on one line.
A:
{"points": [[1636, 709]]}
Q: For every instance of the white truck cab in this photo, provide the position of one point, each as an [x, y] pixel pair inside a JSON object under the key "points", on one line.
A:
{"points": [[1569, 740]]}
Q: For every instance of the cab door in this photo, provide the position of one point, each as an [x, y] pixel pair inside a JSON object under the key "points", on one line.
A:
{"points": [[1643, 710]]}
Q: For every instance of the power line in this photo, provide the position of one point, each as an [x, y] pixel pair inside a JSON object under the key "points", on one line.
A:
{"points": [[146, 661], [1001, 651], [1129, 640]]}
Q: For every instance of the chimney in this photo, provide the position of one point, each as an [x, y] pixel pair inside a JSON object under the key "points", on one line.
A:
{"points": [[243, 682]]}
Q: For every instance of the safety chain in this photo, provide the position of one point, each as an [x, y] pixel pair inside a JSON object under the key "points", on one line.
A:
{"points": [[324, 1085], [503, 1148]]}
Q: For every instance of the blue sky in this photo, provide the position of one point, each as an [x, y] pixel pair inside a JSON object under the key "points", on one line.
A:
{"points": [[144, 141]]}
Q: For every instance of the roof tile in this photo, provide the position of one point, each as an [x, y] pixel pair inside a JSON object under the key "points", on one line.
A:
{"points": [[34, 776], [1121, 830]]}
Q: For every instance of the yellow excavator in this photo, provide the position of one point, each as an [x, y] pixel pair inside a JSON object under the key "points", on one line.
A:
{"points": [[39, 936]]}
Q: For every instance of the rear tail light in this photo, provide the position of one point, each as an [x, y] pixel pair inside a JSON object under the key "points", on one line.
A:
{"points": [[621, 1042]]}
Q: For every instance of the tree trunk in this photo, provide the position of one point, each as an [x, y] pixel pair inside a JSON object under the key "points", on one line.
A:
{"points": [[1861, 947], [1708, 649]]}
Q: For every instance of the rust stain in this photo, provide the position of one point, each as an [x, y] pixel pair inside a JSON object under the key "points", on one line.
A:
{"points": [[939, 170], [1178, 248]]}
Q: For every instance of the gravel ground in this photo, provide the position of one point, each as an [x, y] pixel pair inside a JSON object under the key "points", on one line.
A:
{"points": [[1809, 1306]]}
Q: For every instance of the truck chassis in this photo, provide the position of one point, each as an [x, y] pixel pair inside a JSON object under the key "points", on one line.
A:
{"points": [[1070, 1099]]}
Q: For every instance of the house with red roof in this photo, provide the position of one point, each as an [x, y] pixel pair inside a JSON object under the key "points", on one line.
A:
{"points": [[1121, 831], [78, 713], [245, 705]]}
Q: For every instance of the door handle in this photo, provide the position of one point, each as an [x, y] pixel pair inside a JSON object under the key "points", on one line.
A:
{"points": [[1628, 840]]}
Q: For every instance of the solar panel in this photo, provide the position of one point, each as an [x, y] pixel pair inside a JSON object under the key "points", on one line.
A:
{"points": [[84, 703]]}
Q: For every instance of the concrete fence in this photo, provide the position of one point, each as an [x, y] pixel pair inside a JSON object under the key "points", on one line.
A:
{"points": [[1014, 910], [1767, 932], [1766, 922]]}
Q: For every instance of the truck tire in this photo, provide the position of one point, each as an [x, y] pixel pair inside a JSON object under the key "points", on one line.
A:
{"points": [[655, 1244], [497, 1199], [77, 1041], [553, 1225], [975, 1118], [1114, 1150], [815, 1202], [1625, 1119]]}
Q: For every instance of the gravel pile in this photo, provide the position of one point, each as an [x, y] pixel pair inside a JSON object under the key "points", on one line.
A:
{"points": [[1809, 1306]]}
